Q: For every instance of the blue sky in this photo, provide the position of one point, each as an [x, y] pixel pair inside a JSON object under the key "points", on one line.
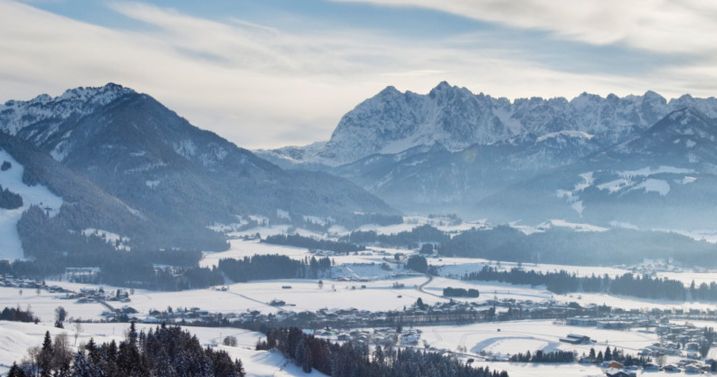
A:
{"points": [[276, 72]]}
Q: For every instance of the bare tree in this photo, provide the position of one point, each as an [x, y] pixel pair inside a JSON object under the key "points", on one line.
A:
{"points": [[60, 316], [78, 329]]}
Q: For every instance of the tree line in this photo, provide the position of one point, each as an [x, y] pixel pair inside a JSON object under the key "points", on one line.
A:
{"points": [[628, 284], [273, 267], [18, 315], [9, 199], [460, 292], [164, 351], [410, 239], [313, 244], [148, 271], [355, 360], [544, 357], [618, 355]]}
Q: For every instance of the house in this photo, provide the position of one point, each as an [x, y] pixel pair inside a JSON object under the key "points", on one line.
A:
{"points": [[671, 368], [619, 373], [693, 369], [611, 364], [576, 339]]}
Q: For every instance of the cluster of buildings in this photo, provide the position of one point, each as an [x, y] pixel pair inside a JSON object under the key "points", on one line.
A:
{"points": [[386, 337], [612, 322], [87, 295], [13, 282]]}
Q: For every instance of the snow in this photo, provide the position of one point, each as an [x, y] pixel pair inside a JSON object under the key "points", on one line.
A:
{"points": [[654, 185], [282, 214], [411, 222], [457, 267], [239, 248], [557, 223], [565, 133], [152, 183], [16, 115], [687, 180], [16, 338], [119, 242], [44, 304], [614, 186], [186, 148], [507, 338], [307, 295], [393, 121], [578, 227], [38, 195]]}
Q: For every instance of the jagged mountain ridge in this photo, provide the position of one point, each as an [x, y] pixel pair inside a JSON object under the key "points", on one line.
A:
{"points": [[394, 121], [136, 150]]}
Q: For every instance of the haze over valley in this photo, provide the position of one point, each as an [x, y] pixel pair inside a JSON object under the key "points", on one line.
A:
{"points": [[324, 188]]}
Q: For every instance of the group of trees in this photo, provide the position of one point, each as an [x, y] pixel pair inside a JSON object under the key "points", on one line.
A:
{"points": [[165, 351], [9, 199], [460, 292], [272, 267], [18, 315], [566, 246], [351, 360], [410, 239], [155, 271], [615, 354], [257, 267], [627, 284], [417, 263], [610, 354], [544, 357], [313, 244]]}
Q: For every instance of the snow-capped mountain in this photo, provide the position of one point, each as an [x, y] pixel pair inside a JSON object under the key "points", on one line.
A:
{"points": [[591, 157], [39, 119], [170, 172], [394, 121]]}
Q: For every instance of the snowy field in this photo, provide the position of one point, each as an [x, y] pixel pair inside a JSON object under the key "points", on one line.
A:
{"points": [[16, 338], [240, 248], [306, 294], [44, 304], [508, 338], [457, 267]]}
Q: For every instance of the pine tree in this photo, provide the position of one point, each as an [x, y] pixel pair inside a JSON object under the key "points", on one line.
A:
{"points": [[80, 366], [16, 371], [44, 358]]}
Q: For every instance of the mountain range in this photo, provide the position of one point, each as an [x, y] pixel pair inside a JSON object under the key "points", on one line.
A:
{"points": [[638, 160], [128, 171]]}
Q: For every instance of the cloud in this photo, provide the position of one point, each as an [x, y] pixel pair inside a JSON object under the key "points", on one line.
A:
{"points": [[257, 85], [685, 26]]}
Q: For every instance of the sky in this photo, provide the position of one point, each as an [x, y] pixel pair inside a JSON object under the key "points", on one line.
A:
{"points": [[270, 73]]}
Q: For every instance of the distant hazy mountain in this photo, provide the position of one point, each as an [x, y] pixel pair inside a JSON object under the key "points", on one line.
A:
{"points": [[132, 149], [392, 121], [437, 179], [664, 177]]}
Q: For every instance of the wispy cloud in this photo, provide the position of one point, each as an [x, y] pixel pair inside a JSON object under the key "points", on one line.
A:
{"points": [[685, 26], [257, 85]]}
